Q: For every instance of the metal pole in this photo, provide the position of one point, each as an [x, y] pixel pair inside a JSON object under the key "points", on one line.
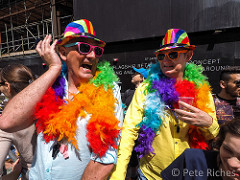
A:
{"points": [[28, 40], [30, 32], [47, 27], [22, 45], [54, 19], [58, 24], [11, 24], [38, 31], [7, 38], [12, 34], [43, 32]]}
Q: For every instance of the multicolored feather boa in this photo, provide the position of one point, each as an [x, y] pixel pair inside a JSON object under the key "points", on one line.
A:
{"points": [[163, 92], [57, 118]]}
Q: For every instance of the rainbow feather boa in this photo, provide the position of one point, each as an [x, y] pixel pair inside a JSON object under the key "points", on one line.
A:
{"points": [[57, 119], [163, 92]]}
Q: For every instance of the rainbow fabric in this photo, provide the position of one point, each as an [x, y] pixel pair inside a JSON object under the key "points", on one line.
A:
{"points": [[57, 119], [163, 92], [80, 28], [175, 38]]}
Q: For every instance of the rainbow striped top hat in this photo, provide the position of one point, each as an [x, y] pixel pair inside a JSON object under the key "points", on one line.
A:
{"points": [[175, 38], [79, 29]]}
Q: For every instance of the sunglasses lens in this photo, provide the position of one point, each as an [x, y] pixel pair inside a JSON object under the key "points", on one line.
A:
{"points": [[237, 83], [160, 56], [84, 48], [98, 51], [173, 55]]}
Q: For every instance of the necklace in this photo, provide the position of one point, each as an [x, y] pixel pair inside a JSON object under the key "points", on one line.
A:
{"points": [[162, 93], [57, 118]]}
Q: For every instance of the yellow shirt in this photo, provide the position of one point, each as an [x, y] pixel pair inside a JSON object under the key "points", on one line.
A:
{"points": [[167, 144]]}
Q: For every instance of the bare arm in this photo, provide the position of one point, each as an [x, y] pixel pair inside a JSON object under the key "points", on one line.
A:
{"points": [[97, 171], [18, 114]]}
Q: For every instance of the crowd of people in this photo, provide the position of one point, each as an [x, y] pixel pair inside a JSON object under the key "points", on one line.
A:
{"points": [[69, 122]]}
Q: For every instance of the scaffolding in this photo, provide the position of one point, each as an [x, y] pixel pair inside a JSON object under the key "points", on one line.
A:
{"points": [[28, 22]]}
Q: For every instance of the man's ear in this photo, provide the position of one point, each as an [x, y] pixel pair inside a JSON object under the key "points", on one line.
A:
{"points": [[8, 87], [63, 53], [142, 79], [189, 55], [222, 84]]}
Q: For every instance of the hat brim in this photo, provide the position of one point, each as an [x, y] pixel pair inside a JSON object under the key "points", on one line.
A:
{"points": [[65, 39], [144, 73], [191, 47], [137, 70]]}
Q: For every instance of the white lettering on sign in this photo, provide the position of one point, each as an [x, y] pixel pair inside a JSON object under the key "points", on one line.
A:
{"points": [[215, 68], [210, 64], [206, 61]]}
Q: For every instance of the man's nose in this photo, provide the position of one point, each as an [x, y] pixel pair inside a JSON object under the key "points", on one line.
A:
{"points": [[166, 59], [234, 163], [91, 54]]}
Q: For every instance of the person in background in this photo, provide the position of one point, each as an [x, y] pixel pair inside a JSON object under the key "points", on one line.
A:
{"points": [[223, 163], [137, 78], [13, 79], [227, 102], [77, 107], [163, 131]]}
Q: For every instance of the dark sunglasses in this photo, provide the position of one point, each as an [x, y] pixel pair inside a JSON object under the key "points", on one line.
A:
{"points": [[2, 83], [237, 83], [85, 48], [171, 55]]}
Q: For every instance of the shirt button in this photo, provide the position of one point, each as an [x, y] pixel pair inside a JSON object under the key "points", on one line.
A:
{"points": [[175, 142], [47, 170]]}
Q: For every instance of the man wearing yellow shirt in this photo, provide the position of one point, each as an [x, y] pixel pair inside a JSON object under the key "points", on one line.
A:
{"points": [[164, 130]]}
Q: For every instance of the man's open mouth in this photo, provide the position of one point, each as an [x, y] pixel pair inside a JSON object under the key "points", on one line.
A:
{"points": [[87, 66]]}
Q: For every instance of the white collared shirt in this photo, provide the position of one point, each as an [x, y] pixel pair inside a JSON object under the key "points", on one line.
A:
{"points": [[44, 167]]}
